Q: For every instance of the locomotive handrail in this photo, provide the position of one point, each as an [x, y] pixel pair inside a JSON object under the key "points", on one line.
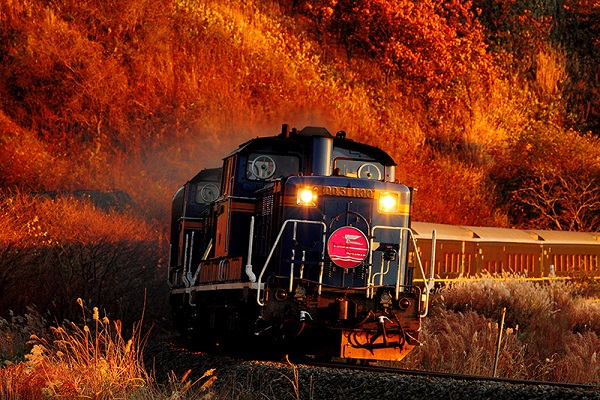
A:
{"points": [[248, 271], [187, 262], [191, 218], [242, 198], [192, 280], [295, 221], [428, 283]]}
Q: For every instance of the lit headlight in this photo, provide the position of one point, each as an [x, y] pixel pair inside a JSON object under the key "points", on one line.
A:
{"points": [[388, 202], [306, 196]]}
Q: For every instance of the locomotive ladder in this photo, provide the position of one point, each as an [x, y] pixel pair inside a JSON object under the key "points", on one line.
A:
{"points": [[428, 282], [295, 223]]}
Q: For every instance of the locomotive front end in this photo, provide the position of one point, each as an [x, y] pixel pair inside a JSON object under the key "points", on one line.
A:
{"points": [[342, 286], [302, 249]]}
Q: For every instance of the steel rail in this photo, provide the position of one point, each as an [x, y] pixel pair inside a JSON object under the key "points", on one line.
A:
{"points": [[447, 375]]}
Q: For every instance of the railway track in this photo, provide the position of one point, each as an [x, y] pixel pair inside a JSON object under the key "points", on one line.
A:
{"points": [[310, 379], [461, 377]]}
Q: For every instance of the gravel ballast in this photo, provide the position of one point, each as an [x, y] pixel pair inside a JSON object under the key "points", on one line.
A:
{"points": [[279, 380]]}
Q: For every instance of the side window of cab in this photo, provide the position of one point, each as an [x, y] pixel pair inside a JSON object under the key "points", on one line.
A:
{"points": [[228, 176], [266, 167], [206, 192]]}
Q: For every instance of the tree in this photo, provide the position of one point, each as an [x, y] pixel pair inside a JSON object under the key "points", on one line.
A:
{"points": [[548, 178], [561, 201], [428, 44]]}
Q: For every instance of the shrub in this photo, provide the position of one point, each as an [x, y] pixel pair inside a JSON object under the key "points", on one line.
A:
{"points": [[59, 249], [15, 333]]}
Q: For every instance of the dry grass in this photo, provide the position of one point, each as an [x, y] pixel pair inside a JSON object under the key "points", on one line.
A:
{"points": [[16, 331], [550, 343], [94, 360], [551, 331], [551, 71], [466, 343]]}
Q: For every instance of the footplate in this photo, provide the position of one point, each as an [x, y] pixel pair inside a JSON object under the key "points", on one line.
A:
{"points": [[373, 345]]}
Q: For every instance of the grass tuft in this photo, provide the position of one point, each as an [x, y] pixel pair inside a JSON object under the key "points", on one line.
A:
{"points": [[94, 360]]}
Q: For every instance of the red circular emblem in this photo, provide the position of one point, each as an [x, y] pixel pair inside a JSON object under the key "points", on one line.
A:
{"points": [[348, 247]]}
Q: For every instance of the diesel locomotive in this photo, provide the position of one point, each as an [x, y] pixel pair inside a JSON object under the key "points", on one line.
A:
{"points": [[299, 244]]}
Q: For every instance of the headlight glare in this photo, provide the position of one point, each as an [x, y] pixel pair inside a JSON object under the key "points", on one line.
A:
{"points": [[388, 202], [306, 196]]}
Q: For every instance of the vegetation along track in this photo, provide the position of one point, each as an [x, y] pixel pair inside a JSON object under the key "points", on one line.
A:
{"points": [[262, 379]]}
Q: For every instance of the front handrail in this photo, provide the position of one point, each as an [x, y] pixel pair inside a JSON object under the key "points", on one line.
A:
{"points": [[296, 222], [428, 283]]}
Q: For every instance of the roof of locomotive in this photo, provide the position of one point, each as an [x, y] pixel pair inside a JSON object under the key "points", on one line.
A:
{"points": [[291, 140], [208, 175], [490, 234]]}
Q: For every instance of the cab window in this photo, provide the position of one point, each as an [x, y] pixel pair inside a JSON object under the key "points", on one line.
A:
{"points": [[206, 192], [359, 169], [264, 167]]}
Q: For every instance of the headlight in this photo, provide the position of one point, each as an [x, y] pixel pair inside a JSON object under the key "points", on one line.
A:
{"points": [[388, 202], [306, 196]]}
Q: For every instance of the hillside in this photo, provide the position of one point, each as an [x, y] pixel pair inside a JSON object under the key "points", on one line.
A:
{"points": [[490, 107]]}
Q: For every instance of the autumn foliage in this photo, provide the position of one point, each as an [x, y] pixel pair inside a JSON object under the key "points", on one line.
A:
{"points": [[146, 94], [55, 250], [489, 107]]}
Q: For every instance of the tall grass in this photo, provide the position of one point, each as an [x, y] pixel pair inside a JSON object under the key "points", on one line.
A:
{"points": [[94, 359], [551, 334], [551, 330]]}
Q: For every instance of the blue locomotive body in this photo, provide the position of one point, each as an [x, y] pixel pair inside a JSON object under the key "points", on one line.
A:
{"points": [[301, 241]]}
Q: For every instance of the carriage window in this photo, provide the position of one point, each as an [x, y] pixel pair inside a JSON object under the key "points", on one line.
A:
{"points": [[359, 169], [261, 167]]}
